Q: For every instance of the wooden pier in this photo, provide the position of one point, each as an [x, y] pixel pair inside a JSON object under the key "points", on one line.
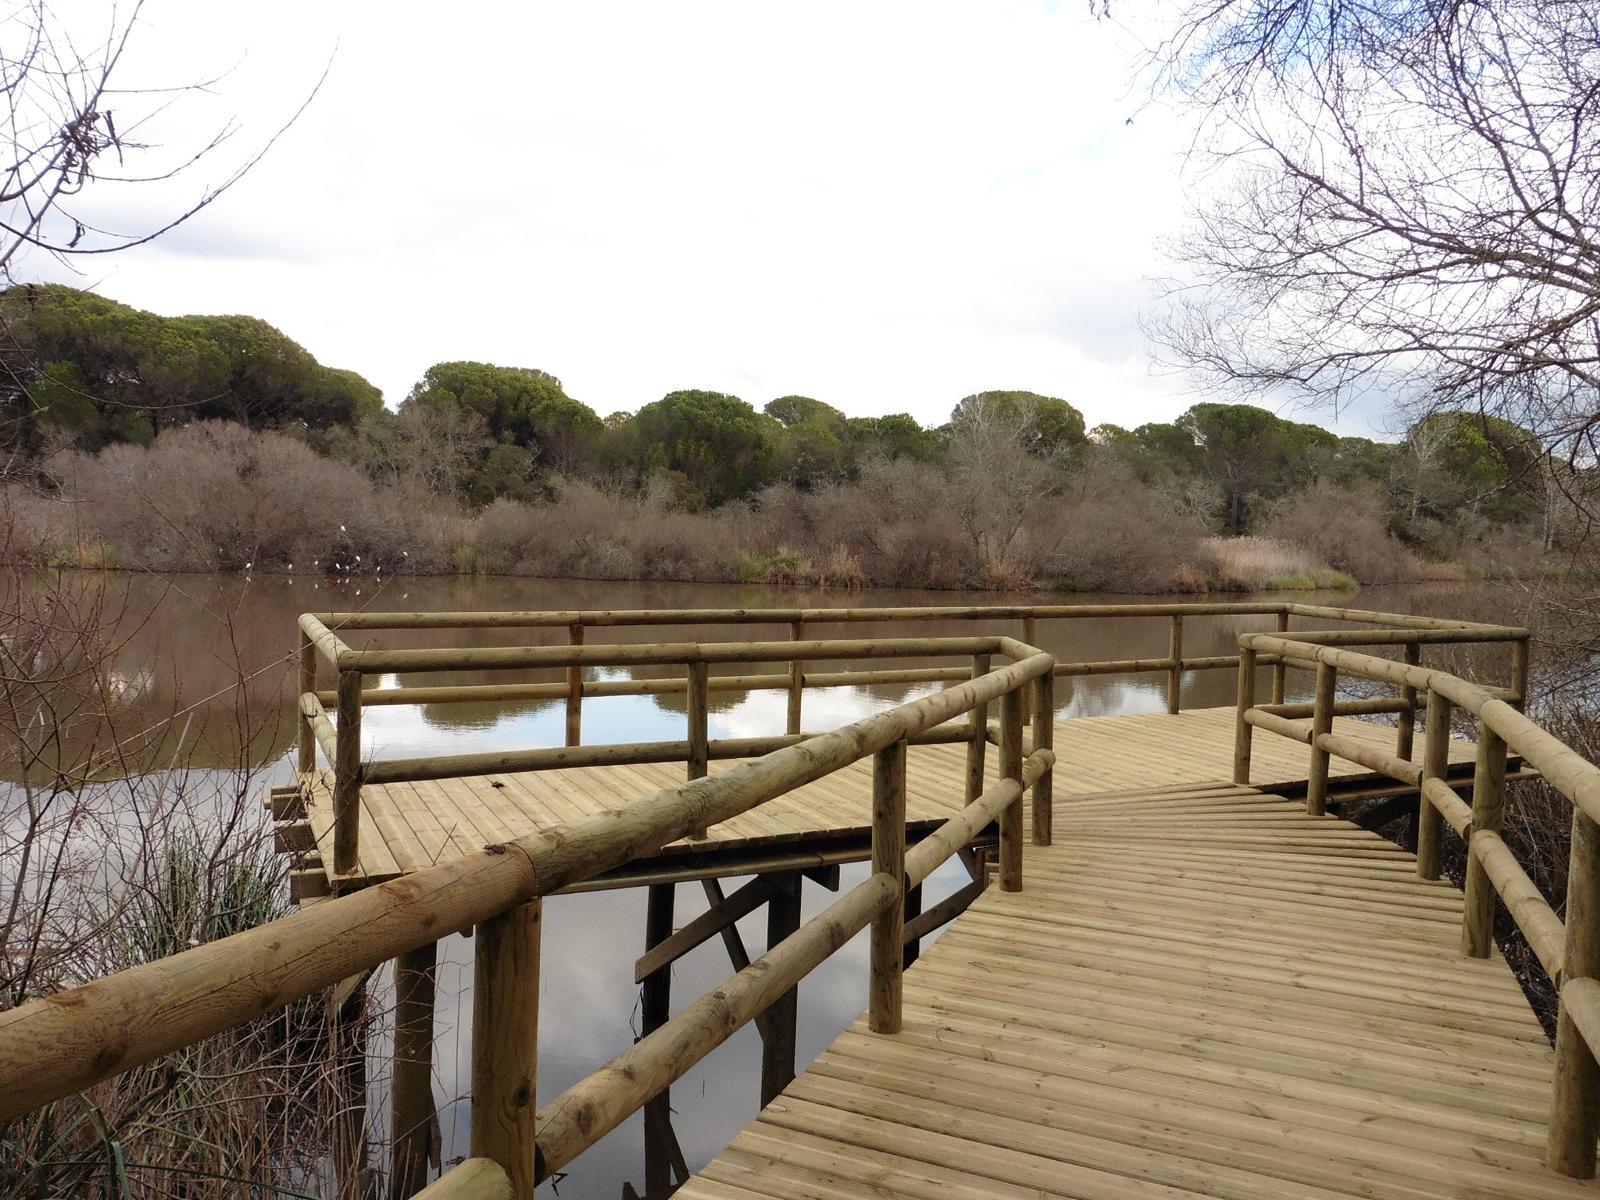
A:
{"points": [[1183, 965]]}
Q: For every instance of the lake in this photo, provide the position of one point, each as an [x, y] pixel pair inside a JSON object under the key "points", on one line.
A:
{"points": [[216, 651]]}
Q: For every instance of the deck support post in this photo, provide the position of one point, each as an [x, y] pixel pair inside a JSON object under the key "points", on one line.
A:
{"points": [[347, 775], [1435, 765], [699, 716], [1488, 812], [655, 1003], [1575, 1099], [977, 747], [306, 738], [1242, 730], [1044, 738], [888, 858], [575, 691], [1406, 727], [1321, 724], [913, 941], [411, 1110], [1280, 669], [1175, 671], [1011, 769], [349, 1039], [797, 679], [505, 1042], [777, 1043]]}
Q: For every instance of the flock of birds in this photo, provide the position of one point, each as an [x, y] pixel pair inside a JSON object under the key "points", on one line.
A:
{"points": [[338, 573]]}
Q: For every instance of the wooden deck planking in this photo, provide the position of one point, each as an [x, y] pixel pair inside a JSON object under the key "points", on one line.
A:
{"points": [[1229, 999], [405, 826]]}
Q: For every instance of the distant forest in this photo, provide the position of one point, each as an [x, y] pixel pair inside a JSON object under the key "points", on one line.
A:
{"points": [[218, 443]]}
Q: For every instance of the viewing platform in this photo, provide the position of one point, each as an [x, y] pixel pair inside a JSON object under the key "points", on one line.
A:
{"points": [[1183, 963]]}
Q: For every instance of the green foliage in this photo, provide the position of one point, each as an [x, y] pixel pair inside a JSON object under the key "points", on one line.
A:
{"points": [[99, 373], [720, 445], [1053, 425], [1476, 460], [520, 406]]}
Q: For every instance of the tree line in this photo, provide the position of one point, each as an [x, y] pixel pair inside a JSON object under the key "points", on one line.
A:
{"points": [[83, 372]]}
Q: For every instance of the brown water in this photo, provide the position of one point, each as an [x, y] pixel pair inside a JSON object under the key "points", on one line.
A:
{"points": [[217, 651]]}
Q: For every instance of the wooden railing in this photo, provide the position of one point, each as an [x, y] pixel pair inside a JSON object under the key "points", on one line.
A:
{"points": [[340, 737], [1569, 950], [53, 1047]]}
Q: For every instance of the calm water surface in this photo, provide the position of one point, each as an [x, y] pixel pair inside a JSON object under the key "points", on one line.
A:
{"points": [[216, 649]]}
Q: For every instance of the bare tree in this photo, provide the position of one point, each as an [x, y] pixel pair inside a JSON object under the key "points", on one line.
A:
{"points": [[995, 481], [1405, 202], [71, 132]]}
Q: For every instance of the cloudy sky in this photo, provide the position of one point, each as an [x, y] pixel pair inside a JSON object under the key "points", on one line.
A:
{"points": [[886, 206]]}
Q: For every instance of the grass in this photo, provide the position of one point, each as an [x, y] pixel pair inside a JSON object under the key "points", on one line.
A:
{"points": [[1262, 564]]}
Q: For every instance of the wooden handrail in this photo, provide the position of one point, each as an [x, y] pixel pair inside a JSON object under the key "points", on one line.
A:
{"points": [[52, 1047], [1569, 951]]}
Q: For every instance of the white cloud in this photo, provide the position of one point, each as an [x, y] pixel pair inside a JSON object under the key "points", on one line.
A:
{"points": [[885, 206]]}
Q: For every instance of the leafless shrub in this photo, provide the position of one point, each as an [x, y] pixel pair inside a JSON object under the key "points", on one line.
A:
{"points": [[1345, 528]]}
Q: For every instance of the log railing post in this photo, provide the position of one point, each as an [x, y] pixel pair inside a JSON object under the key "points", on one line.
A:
{"points": [[1280, 669], [1011, 769], [1175, 671], [1406, 729], [1519, 672], [978, 746], [888, 858], [1575, 1099], [797, 679], [1044, 736], [505, 1042], [1030, 632], [1321, 723], [699, 698], [1488, 812], [347, 774], [306, 741], [1242, 729], [575, 691], [411, 1110], [1435, 764]]}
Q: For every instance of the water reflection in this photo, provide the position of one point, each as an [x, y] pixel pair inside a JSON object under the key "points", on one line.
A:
{"points": [[217, 649]]}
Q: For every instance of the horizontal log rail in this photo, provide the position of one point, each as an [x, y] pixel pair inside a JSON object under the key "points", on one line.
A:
{"points": [[353, 667], [1569, 951], [64, 1043]]}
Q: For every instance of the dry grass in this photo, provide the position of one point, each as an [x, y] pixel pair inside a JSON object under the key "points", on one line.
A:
{"points": [[1262, 564]]}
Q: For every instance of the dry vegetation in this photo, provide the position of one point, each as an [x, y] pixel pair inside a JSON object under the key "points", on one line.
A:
{"points": [[217, 496]]}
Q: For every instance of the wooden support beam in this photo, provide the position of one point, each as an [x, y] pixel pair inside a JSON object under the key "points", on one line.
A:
{"points": [[348, 1034], [1435, 765], [411, 1108], [722, 914], [347, 775], [1011, 772], [575, 690], [1321, 726], [305, 741], [911, 948], [655, 1002], [293, 837], [1575, 1097], [888, 858], [825, 877], [731, 941], [942, 913], [781, 1019], [1242, 729], [1175, 673], [797, 680], [505, 1042], [1280, 669], [978, 746], [1044, 737], [1406, 727], [1488, 812]]}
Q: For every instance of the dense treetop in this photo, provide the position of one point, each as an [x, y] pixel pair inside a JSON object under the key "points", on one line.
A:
{"points": [[86, 372]]}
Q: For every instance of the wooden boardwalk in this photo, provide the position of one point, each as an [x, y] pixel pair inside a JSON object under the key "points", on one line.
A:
{"points": [[408, 826], [1200, 991]]}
